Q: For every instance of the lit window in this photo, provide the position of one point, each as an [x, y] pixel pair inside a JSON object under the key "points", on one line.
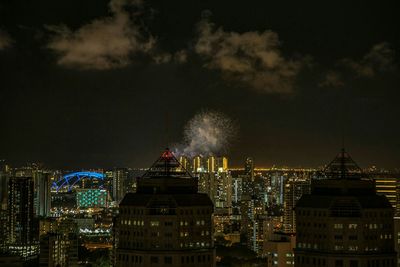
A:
{"points": [[154, 223], [338, 226], [352, 226]]}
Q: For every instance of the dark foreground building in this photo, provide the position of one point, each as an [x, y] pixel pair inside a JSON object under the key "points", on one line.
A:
{"points": [[343, 222], [166, 222]]}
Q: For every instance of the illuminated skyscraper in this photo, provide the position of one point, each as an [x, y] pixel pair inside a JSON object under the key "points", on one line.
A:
{"points": [[42, 198], [222, 164], [294, 188], [249, 168], [22, 233], [211, 164], [343, 222], [166, 222], [184, 161], [197, 164]]}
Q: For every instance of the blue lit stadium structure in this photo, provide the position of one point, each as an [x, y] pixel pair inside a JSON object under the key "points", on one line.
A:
{"points": [[68, 181]]}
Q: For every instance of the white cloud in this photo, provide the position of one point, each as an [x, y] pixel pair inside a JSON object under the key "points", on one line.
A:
{"points": [[250, 58], [102, 44], [5, 40]]}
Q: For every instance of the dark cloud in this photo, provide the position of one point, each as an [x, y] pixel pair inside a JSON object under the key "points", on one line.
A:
{"points": [[251, 58], [105, 43], [379, 59], [5, 40], [332, 79]]}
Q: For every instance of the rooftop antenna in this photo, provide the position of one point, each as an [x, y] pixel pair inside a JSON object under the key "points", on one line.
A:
{"points": [[167, 129]]}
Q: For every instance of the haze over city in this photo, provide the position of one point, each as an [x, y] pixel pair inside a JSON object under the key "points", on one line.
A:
{"points": [[98, 84]]}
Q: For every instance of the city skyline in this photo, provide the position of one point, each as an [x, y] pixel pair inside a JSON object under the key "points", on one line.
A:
{"points": [[294, 77]]}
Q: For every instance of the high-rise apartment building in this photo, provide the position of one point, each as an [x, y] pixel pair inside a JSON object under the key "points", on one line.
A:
{"points": [[216, 182], [294, 188], [22, 233], [343, 222], [42, 196], [249, 168], [166, 222], [120, 175]]}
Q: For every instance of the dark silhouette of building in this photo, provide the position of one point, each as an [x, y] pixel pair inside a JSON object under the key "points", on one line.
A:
{"points": [[166, 222], [343, 222]]}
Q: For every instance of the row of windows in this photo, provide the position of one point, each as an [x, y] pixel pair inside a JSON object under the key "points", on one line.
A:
{"points": [[187, 259], [305, 235], [202, 233], [130, 244], [197, 244], [341, 263], [337, 247], [309, 213], [134, 222], [350, 237], [125, 258], [315, 261], [319, 225], [165, 211], [372, 214], [368, 214], [134, 233]]}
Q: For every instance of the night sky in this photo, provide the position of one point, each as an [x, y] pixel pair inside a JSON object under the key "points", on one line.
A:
{"points": [[93, 83]]}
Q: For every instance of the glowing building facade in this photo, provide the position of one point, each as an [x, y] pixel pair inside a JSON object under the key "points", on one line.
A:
{"points": [[91, 198]]}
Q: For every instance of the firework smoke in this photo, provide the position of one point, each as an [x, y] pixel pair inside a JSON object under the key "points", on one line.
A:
{"points": [[207, 133]]}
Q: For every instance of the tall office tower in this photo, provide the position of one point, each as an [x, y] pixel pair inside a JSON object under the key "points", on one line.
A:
{"points": [[166, 222], [294, 188], [197, 164], [343, 222], [120, 175], [42, 196], [20, 218], [249, 168]]}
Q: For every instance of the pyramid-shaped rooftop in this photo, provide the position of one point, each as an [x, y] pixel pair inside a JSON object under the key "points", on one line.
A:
{"points": [[343, 167], [167, 165]]}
